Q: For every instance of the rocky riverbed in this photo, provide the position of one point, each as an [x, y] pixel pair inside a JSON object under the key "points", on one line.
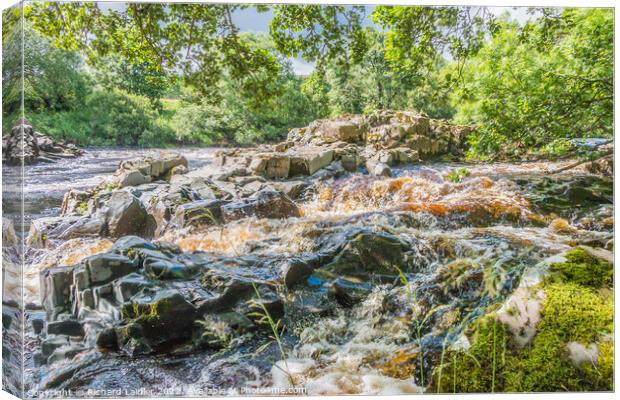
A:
{"points": [[359, 256]]}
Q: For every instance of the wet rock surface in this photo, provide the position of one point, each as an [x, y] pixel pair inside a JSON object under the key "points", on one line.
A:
{"points": [[369, 273]]}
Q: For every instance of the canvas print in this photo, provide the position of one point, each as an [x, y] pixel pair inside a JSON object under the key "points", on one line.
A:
{"points": [[220, 199]]}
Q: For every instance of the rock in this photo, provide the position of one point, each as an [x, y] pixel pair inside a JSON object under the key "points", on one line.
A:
{"points": [[343, 131], [378, 169], [139, 171], [66, 327], [27, 146], [601, 254], [132, 178], [264, 204], [65, 228], [128, 286], [105, 267], [50, 344], [179, 170], [9, 238], [55, 286], [369, 252], [107, 339], [75, 202], [290, 188], [64, 353], [127, 243], [271, 165], [7, 319], [295, 271], [156, 320], [38, 323], [308, 161], [198, 213], [125, 215]]}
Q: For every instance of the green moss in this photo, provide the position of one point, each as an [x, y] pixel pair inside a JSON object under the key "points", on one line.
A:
{"points": [[583, 269], [150, 312], [494, 362], [112, 186], [82, 208]]}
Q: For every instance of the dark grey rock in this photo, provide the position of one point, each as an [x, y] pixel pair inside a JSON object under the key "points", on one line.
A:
{"points": [[104, 268], [198, 213], [67, 327], [295, 271], [126, 215], [264, 204], [55, 284]]}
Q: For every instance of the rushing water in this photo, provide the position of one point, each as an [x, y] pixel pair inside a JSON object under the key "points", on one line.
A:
{"points": [[499, 220]]}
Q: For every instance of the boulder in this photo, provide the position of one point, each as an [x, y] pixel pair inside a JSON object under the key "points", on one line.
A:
{"points": [[264, 204], [369, 252], [43, 229], [309, 160], [132, 178], [75, 202], [154, 321], [55, 287], [270, 165], [290, 188], [9, 238], [340, 130], [105, 267], [125, 215], [25, 145], [148, 169], [198, 213], [295, 271], [68, 327], [377, 168]]}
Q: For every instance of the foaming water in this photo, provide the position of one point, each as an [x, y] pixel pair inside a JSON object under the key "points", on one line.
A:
{"points": [[468, 241], [422, 191]]}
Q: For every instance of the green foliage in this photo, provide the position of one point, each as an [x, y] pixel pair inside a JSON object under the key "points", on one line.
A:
{"points": [[141, 79], [372, 84], [52, 77], [457, 175], [582, 268], [242, 121], [526, 87], [125, 120], [418, 35], [200, 40], [318, 32], [571, 313], [106, 118]]}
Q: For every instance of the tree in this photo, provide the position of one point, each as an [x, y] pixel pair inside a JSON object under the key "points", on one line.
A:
{"points": [[198, 40], [140, 79], [51, 77], [532, 85]]}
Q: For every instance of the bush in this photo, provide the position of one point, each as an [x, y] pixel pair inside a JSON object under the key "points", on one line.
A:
{"points": [[125, 120], [107, 118]]}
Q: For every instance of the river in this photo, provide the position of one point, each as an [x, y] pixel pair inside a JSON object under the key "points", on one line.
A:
{"points": [[499, 219]]}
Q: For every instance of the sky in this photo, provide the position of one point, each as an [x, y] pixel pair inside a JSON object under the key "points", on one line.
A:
{"points": [[249, 20]]}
